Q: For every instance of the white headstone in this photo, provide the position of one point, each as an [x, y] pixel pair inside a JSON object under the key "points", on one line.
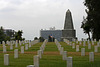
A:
{"points": [[30, 66], [40, 54], [80, 42], [84, 43], [65, 55], [6, 59], [16, 44], [73, 45], [98, 44], [16, 53], [92, 42], [4, 49], [3, 43], [29, 45], [26, 47], [36, 61], [61, 50], [11, 46], [89, 46], [77, 42], [77, 48], [22, 49], [95, 48], [91, 56], [88, 42], [69, 62], [95, 40], [82, 51], [20, 43], [41, 49], [70, 43]]}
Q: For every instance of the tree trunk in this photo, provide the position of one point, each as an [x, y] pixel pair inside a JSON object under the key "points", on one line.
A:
{"points": [[88, 35]]}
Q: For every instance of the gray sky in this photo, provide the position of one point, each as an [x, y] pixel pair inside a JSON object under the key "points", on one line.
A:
{"points": [[33, 15]]}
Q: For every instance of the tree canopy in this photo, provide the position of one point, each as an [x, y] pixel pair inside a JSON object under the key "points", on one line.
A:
{"points": [[7, 35], [92, 23], [41, 39], [2, 35], [18, 35]]}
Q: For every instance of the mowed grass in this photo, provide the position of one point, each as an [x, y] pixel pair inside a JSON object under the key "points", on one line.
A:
{"points": [[34, 47], [69, 48], [83, 61], [51, 46], [22, 61], [52, 58], [52, 61]]}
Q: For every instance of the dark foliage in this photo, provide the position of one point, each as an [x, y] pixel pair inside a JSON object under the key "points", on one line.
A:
{"points": [[92, 23]]}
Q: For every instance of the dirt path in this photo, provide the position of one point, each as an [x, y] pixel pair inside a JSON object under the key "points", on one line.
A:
{"points": [[54, 53]]}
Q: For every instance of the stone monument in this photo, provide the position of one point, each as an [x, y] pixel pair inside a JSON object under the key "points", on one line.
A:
{"points": [[69, 32]]}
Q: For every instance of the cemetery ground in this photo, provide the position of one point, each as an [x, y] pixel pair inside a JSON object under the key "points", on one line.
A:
{"points": [[51, 56]]}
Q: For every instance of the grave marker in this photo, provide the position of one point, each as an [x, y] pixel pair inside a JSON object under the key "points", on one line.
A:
{"points": [[6, 59], [16, 53], [65, 55], [36, 61], [69, 62], [77, 48], [91, 56], [22, 49], [82, 51]]}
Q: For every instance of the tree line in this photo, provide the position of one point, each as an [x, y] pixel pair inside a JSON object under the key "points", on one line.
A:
{"points": [[10, 35]]}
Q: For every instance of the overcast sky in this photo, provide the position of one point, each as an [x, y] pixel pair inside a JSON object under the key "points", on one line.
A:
{"points": [[33, 15]]}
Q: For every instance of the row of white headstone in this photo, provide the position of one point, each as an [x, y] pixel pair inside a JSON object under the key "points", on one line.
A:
{"points": [[6, 56], [74, 40], [91, 54], [39, 56], [77, 46], [15, 42], [22, 47], [64, 54], [83, 42]]}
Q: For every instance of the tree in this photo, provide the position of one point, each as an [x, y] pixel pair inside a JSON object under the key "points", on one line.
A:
{"points": [[2, 35], [93, 18], [41, 39], [18, 35], [35, 38], [86, 27]]}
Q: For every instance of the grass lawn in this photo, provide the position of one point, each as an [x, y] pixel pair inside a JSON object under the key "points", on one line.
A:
{"points": [[69, 48], [51, 56]]}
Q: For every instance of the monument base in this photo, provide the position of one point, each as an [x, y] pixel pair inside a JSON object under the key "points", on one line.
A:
{"points": [[68, 38], [68, 34]]}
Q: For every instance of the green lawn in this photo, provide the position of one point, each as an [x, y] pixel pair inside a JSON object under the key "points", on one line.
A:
{"points": [[51, 56], [51, 47], [52, 61], [22, 61], [69, 48]]}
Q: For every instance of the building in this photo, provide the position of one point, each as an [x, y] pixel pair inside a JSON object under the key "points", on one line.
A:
{"points": [[67, 33], [9, 32], [57, 34]]}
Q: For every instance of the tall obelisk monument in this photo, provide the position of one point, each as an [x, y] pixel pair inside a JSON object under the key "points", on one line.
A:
{"points": [[68, 32]]}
